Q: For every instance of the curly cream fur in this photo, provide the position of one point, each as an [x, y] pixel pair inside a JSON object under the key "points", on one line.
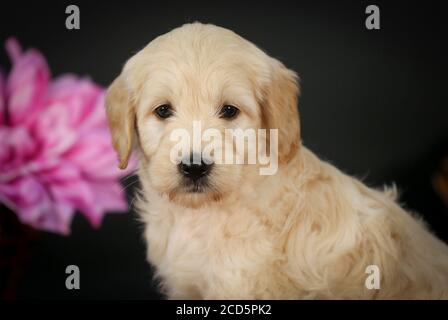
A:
{"points": [[307, 232]]}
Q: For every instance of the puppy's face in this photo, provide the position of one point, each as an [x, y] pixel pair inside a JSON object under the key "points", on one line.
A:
{"points": [[195, 78]]}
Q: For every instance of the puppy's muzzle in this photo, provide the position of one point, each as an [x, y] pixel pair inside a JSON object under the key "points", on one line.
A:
{"points": [[195, 172]]}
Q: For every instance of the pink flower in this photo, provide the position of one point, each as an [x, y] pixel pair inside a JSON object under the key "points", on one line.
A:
{"points": [[55, 149]]}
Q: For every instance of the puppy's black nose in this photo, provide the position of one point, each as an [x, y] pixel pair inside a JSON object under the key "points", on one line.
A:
{"points": [[194, 171]]}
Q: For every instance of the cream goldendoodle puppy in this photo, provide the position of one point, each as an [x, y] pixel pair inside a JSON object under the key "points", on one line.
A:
{"points": [[224, 231]]}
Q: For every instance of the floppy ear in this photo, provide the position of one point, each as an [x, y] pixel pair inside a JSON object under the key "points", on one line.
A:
{"points": [[121, 117], [279, 109]]}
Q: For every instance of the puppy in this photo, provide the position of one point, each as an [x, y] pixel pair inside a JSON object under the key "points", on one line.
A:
{"points": [[225, 231]]}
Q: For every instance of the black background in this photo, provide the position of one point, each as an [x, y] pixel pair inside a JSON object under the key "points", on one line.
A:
{"points": [[373, 103]]}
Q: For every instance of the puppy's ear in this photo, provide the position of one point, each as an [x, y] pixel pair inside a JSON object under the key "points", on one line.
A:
{"points": [[121, 118], [279, 109]]}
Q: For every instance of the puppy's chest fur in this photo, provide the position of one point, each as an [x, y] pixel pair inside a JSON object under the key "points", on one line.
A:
{"points": [[228, 249], [288, 239]]}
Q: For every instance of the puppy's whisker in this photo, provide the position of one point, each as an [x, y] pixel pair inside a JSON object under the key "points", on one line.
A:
{"points": [[124, 189], [131, 205]]}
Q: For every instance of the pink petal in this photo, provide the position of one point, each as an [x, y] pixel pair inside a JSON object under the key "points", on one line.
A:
{"points": [[22, 192], [49, 216], [17, 148], [79, 195], [94, 155], [2, 99], [53, 131], [33, 205], [26, 85], [110, 196], [97, 117], [59, 220], [80, 97], [55, 152], [61, 173]]}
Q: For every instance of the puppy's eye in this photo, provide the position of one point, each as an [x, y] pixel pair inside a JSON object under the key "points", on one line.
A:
{"points": [[164, 111], [228, 112]]}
